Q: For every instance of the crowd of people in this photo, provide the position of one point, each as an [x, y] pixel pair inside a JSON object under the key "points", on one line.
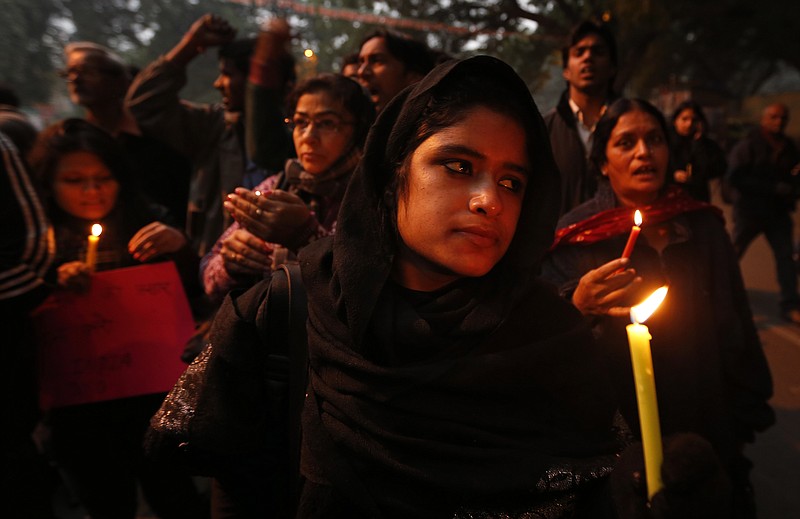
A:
{"points": [[461, 255]]}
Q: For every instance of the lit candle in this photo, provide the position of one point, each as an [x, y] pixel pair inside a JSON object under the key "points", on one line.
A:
{"points": [[635, 230], [91, 248], [642, 361]]}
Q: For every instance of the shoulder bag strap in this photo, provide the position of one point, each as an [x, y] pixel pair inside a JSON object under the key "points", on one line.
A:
{"points": [[286, 321]]}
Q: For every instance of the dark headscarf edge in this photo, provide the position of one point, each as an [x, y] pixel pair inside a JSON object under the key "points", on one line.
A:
{"points": [[363, 248]]}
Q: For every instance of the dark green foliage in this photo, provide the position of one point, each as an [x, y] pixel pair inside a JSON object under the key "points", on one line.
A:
{"points": [[733, 45]]}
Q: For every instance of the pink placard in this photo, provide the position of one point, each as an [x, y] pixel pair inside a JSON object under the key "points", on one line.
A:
{"points": [[123, 338]]}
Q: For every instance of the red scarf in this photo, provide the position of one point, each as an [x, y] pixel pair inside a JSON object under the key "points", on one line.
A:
{"points": [[619, 220]]}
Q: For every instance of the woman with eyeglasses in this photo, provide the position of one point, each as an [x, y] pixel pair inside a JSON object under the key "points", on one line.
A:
{"points": [[330, 117], [85, 179], [82, 172]]}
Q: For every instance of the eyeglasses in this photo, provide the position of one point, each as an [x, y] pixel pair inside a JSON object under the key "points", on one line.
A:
{"points": [[324, 125]]}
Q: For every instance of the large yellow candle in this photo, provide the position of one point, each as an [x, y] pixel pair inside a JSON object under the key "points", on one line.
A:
{"points": [[91, 247], [642, 361]]}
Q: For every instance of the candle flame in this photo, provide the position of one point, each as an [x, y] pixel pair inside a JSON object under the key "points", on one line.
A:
{"points": [[637, 218], [641, 312], [97, 229]]}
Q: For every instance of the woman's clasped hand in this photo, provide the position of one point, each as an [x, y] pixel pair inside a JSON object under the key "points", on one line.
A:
{"points": [[274, 216]]}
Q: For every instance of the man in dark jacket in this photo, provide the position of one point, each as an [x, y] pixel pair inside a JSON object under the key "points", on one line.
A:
{"points": [[212, 136], [763, 169], [589, 61]]}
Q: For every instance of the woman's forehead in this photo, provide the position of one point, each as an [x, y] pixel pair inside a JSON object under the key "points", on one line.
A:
{"points": [[635, 119], [319, 101]]}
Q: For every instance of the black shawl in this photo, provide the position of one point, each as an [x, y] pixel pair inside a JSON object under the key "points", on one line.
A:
{"points": [[501, 403]]}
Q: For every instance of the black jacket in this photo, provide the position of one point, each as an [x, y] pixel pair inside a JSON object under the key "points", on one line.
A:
{"points": [[420, 403], [578, 181], [707, 160], [711, 374], [755, 169]]}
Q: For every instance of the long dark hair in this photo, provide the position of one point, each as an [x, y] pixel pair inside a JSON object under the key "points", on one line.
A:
{"points": [[692, 105], [72, 135], [607, 123]]}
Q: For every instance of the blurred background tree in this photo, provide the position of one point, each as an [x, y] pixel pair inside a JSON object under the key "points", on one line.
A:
{"points": [[731, 45]]}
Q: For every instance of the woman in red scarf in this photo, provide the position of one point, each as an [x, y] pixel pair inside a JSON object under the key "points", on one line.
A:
{"points": [[711, 373]]}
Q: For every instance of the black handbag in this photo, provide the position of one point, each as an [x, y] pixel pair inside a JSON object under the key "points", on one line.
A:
{"points": [[236, 409]]}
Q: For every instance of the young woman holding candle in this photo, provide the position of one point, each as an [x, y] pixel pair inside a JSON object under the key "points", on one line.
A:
{"points": [[711, 374], [85, 181], [445, 380], [436, 382]]}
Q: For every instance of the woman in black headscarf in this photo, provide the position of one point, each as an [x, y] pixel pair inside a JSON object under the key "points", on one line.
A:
{"points": [[444, 379]]}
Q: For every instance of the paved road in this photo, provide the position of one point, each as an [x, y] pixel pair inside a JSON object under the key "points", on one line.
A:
{"points": [[776, 452]]}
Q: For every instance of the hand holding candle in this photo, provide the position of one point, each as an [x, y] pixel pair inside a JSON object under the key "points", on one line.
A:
{"points": [[91, 248], [642, 361], [635, 230]]}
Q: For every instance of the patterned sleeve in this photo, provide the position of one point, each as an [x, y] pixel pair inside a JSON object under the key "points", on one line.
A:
{"points": [[27, 248], [217, 282]]}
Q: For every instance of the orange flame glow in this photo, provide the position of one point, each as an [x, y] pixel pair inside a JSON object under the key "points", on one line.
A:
{"points": [[641, 312]]}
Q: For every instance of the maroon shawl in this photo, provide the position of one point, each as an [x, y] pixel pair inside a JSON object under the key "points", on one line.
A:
{"points": [[619, 220]]}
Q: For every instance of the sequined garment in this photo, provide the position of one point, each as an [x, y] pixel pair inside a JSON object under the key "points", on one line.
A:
{"points": [[179, 406], [556, 493]]}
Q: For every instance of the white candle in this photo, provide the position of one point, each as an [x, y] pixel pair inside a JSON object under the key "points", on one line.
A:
{"points": [[91, 247], [642, 362]]}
